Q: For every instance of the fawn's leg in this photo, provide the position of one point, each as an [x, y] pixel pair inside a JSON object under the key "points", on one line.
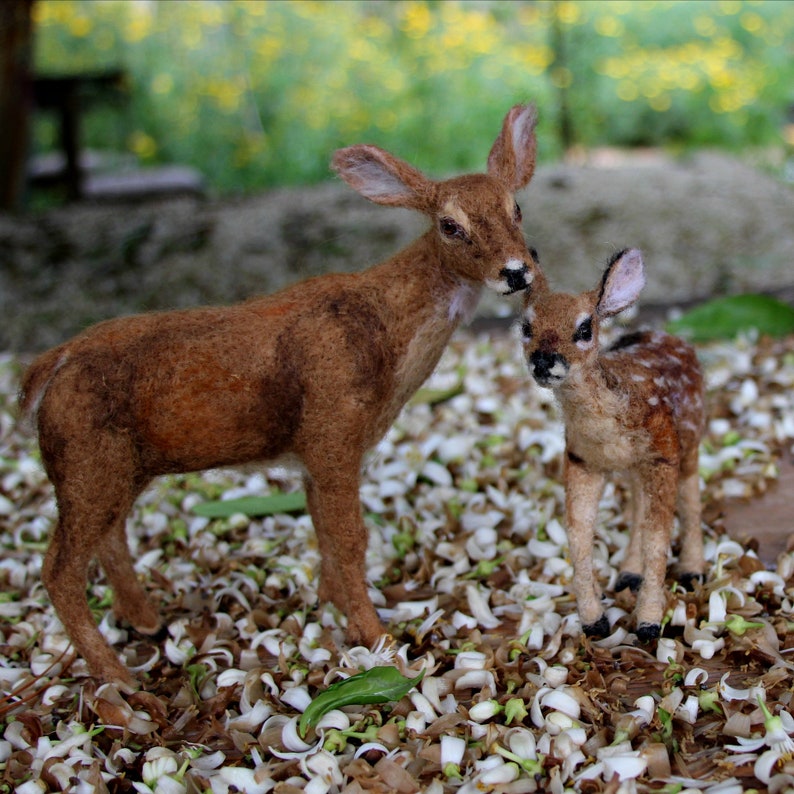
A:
{"points": [[631, 566], [660, 481], [583, 490], [335, 508], [691, 564]]}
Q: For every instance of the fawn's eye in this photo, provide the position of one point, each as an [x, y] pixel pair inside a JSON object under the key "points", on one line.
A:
{"points": [[451, 228], [584, 331], [517, 216], [526, 329]]}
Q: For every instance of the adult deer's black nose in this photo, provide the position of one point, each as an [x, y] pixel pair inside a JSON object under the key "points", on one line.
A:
{"points": [[516, 276]]}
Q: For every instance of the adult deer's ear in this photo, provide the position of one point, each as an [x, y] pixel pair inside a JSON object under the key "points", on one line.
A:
{"points": [[622, 282], [512, 157], [383, 178]]}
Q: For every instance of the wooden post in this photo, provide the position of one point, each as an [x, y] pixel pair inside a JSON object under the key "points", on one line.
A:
{"points": [[16, 38], [558, 46]]}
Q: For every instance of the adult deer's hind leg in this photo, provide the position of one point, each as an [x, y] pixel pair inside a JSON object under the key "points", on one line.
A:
{"points": [[130, 602], [92, 471]]}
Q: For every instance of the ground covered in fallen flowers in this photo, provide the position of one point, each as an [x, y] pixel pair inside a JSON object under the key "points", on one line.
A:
{"points": [[469, 565]]}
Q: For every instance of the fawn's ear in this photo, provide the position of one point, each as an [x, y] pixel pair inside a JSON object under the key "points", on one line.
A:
{"points": [[383, 178], [538, 289], [622, 282], [512, 157]]}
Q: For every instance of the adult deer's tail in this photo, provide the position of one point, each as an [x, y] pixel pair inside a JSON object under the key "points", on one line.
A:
{"points": [[37, 377]]}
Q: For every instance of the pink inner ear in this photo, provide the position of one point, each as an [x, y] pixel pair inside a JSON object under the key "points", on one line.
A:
{"points": [[623, 285], [372, 180]]}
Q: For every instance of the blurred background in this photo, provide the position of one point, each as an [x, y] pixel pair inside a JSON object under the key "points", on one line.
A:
{"points": [[256, 93], [156, 153]]}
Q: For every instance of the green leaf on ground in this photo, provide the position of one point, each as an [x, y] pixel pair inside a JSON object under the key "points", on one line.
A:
{"points": [[253, 505], [723, 318], [436, 396], [376, 685]]}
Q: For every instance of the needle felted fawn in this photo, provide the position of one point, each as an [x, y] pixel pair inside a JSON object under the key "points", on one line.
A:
{"points": [[313, 375], [635, 407]]}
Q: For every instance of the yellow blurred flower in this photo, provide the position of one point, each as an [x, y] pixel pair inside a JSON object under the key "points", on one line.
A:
{"points": [[729, 7], [752, 22], [609, 26], [416, 20], [192, 36], [142, 145], [80, 26], [568, 13], [628, 91], [140, 23], [704, 25]]}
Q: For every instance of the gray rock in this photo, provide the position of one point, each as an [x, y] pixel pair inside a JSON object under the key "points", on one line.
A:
{"points": [[707, 225]]}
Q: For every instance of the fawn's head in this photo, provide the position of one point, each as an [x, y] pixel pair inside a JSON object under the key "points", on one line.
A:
{"points": [[560, 331], [477, 222]]}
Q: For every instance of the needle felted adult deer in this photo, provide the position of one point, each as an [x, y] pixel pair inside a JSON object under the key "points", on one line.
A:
{"points": [[636, 407], [314, 375]]}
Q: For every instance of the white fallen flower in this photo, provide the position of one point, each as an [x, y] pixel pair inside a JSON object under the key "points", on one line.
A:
{"points": [[485, 710], [298, 697], [478, 605], [452, 749], [728, 692]]}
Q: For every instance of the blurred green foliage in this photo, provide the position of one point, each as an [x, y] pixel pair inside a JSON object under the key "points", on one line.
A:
{"points": [[724, 318], [259, 93]]}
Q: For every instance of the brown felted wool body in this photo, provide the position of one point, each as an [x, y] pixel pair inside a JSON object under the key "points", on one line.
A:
{"points": [[635, 407], [314, 375]]}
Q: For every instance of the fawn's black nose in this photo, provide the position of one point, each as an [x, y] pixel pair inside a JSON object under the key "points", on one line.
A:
{"points": [[548, 368], [516, 276]]}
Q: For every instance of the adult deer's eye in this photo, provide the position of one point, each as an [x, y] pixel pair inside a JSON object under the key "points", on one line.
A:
{"points": [[526, 329], [517, 216], [451, 228], [584, 331]]}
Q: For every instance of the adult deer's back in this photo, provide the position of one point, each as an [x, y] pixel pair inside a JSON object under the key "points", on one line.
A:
{"points": [[314, 374]]}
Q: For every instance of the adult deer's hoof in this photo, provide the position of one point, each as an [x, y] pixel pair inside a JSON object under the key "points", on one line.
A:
{"points": [[648, 631], [598, 629], [632, 581]]}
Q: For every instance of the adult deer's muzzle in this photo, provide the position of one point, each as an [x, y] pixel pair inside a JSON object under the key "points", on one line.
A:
{"points": [[516, 276]]}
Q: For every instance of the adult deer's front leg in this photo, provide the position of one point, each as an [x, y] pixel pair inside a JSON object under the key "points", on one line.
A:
{"points": [[660, 484], [333, 501], [582, 493]]}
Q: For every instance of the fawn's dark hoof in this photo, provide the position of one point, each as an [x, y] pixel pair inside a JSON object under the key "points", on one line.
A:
{"points": [[687, 580], [646, 632], [632, 581], [598, 629]]}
